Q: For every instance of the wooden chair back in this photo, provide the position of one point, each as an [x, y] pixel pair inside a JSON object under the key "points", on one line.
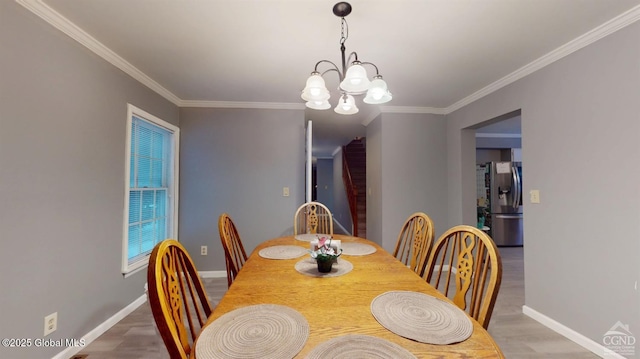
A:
{"points": [[313, 217], [234, 253], [465, 266], [177, 297], [414, 242]]}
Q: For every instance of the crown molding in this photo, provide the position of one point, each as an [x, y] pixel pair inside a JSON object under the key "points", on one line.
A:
{"points": [[572, 46], [238, 104], [413, 109], [63, 24]]}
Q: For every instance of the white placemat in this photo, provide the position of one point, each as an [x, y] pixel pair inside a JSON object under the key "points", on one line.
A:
{"points": [[254, 332], [308, 237], [282, 252], [421, 317], [309, 266], [357, 249]]}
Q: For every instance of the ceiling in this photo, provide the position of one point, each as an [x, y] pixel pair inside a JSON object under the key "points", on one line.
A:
{"points": [[435, 55]]}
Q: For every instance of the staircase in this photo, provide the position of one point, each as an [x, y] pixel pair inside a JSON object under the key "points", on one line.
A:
{"points": [[355, 159]]}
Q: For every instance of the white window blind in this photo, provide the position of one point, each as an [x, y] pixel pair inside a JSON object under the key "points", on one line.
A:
{"points": [[151, 198]]}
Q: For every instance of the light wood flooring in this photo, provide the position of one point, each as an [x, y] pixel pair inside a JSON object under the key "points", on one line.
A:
{"points": [[519, 336]]}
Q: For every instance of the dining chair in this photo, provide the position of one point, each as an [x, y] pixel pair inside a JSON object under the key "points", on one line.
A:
{"points": [[234, 253], [177, 297], [465, 266], [313, 217], [414, 242]]}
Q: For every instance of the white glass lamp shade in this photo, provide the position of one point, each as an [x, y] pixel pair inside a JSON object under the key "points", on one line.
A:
{"points": [[378, 92], [315, 90], [319, 105], [346, 106], [355, 81]]}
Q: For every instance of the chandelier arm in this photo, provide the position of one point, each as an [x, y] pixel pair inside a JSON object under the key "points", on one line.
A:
{"points": [[353, 55], [329, 70], [327, 61], [372, 64]]}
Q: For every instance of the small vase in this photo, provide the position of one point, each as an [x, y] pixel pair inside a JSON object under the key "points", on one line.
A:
{"points": [[325, 266]]}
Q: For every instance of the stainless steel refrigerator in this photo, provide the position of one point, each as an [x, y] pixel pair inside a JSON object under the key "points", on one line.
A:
{"points": [[505, 202]]}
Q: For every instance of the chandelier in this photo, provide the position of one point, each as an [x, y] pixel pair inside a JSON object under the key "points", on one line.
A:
{"points": [[353, 79]]}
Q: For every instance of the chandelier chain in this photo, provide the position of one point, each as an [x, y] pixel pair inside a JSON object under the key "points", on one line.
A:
{"points": [[344, 31]]}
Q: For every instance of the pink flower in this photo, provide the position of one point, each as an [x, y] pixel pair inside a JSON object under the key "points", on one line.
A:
{"points": [[322, 241], [324, 249]]}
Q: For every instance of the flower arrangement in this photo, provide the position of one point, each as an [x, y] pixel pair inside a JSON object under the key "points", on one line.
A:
{"points": [[324, 251]]}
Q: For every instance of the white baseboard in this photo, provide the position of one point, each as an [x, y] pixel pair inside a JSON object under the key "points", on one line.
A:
{"points": [[594, 347], [100, 329], [445, 268], [213, 274], [335, 222], [107, 324]]}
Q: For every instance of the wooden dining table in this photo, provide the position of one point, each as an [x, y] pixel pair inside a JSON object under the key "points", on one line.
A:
{"points": [[341, 305]]}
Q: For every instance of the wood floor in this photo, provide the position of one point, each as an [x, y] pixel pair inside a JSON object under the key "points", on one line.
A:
{"points": [[519, 336]]}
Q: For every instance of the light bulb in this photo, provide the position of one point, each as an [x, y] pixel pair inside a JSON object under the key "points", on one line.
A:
{"points": [[377, 94], [346, 105]]}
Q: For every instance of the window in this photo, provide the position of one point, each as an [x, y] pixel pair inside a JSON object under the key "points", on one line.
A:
{"points": [[151, 196]]}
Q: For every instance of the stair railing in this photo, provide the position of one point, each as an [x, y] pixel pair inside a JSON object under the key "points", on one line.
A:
{"points": [[352, 191]]}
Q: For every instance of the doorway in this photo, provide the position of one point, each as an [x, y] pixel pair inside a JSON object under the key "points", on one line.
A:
{"points": [[499, 179]]}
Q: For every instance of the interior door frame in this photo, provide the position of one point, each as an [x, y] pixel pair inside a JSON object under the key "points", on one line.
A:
{"points": [[309, 162]]}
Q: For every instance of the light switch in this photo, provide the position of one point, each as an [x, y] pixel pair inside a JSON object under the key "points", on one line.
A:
{"points": [[534, 196], [285, 191]]}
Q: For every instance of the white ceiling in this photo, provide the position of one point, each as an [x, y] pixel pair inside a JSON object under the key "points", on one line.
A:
{"points": [[436, 55]]}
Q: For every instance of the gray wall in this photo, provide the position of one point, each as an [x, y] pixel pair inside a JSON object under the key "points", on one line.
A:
{"points": [[62, 158], [374, 180], [413, 172], [237, 161], [582, 245], [324, 178]]}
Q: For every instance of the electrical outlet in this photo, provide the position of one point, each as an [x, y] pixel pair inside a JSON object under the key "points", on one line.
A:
{"points": [[285, 191], [50, 323], [534, 196], [203, 250]]}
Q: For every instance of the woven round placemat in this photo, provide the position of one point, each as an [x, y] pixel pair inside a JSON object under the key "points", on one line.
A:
{"points": [[308, 266], [357, 249], [282, 252], [359, 346], [421, 317], [308, 237], [256, 331]]}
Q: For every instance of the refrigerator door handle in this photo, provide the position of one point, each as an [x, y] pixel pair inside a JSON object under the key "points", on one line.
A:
{"points": [[508, 216], [519, 186], [516, 186]]}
